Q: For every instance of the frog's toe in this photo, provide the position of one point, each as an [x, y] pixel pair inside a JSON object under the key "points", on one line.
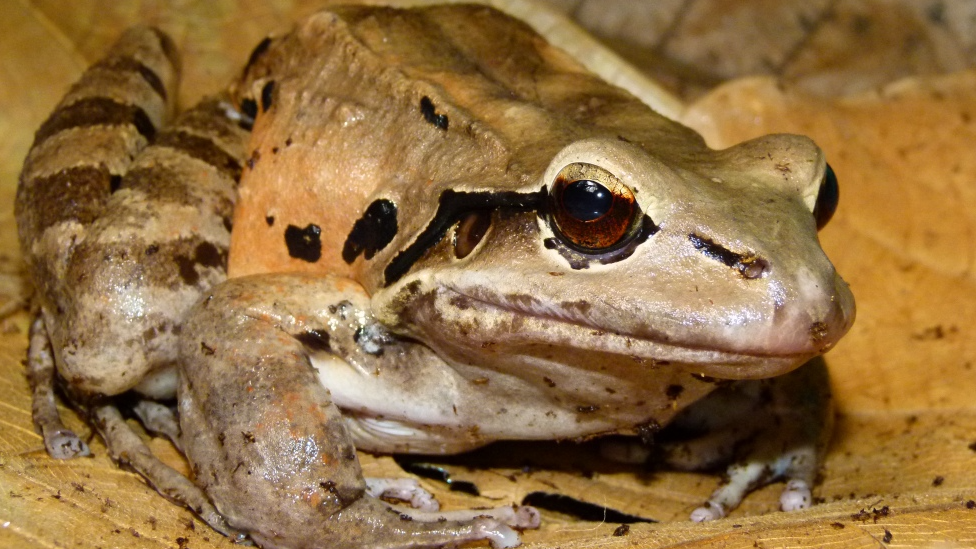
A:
{"points": [[707, 512], [498, 535], [65, 444], [523, 517], [402, 489], [795, 496]]}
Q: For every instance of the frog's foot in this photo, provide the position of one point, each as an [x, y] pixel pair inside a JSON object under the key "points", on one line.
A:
{"points": [[127, 448], [798, 466], [160, 419], [523, 517], [60, 442], [402, 489], [793, 430]]}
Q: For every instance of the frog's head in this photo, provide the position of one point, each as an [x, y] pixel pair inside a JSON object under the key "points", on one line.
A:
{"points": [[709, 261]]}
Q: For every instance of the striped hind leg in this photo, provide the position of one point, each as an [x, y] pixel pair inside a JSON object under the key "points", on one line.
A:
{"points": [[78, 156], [123, 227]]}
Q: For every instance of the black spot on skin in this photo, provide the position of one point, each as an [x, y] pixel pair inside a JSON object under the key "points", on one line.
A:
{"points": [[304, 244], [372, 232], [209, 255], [258, 52], [427, 109], [887, 536], [267, 95], [206, 349], [674, 391], [115, 183], [549, 382], [249, 108], [248, 437], [95, 111], [188, 270], [622, 530], [269, 219], [314, 340], [253, 159], [206, 255], [152, 249]]}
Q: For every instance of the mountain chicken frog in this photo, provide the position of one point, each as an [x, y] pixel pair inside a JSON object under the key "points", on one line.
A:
{"points": [[446, 233]]}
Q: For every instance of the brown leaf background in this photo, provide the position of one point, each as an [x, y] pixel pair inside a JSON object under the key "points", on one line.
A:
{"points": [[903, 237]]}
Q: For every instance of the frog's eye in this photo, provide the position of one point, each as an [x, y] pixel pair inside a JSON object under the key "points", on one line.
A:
{"points": [[591, 209], [827, 198]]}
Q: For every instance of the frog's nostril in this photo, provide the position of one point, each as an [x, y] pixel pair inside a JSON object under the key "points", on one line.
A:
{"points": [[749, 266]]}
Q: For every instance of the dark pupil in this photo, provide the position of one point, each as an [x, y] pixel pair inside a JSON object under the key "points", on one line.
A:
{"points": [[587, 200]]}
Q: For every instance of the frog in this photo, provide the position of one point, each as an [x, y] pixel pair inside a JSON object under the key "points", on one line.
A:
{"points": [[418, 231]]}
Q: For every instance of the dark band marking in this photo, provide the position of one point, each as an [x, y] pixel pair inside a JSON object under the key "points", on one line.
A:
{"points": [[427, 109], [267, 95], [77, 193], [128, 64], [202, 149], [304, 244], [95, 111], [169, 48], [257, 53], [453, 206], [372, 232]]}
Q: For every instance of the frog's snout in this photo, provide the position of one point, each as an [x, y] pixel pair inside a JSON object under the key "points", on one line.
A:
{"points": [[823, 312]]}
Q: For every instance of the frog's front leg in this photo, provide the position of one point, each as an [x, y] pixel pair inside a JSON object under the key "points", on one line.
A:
{"points": [[791, 421], [267, 442], [764, 431]]}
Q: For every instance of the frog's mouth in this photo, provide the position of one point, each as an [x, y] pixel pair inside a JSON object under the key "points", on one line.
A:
{"points": [[522, 324]]}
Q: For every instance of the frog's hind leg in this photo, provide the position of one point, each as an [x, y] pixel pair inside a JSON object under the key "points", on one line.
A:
{"points": [[60, 442], [269, 445], [128, 450], [124, 223], [425, 508]]}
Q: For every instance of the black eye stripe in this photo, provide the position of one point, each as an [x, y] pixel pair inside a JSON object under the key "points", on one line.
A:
{"points": [[454, 205]]}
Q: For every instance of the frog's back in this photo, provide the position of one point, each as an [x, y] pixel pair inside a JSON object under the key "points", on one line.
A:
{"points": [[363, 103]]}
